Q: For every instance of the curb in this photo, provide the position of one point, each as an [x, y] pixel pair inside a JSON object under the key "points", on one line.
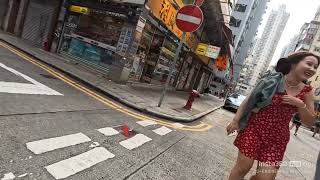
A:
{"points": [[116, 98]]}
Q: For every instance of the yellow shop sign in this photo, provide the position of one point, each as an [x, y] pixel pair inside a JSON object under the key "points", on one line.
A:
{"points": [[166, 13], [79, 9], [202, 49]]}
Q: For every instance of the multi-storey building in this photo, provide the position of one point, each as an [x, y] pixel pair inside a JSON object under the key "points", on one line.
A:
{"points": [[306, 35], [247, 70], [315, 48], [290, 48], [268, 42], [246, 18]]}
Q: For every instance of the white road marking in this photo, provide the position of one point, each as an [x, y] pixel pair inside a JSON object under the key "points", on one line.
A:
{"points": [[178, 125], [73, 165], [45, 145], [94, 144], [146, 123], [162, 131], [23, 175], [135, 141], [108, 131], [190, 19], [8, 176], [24, 88]]}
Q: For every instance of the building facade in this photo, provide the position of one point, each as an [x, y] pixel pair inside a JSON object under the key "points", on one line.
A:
{"points": [[128, 40], [306, 35], [290, 48], [246, 18], [315, 48], [32, 20], [268, 42]]}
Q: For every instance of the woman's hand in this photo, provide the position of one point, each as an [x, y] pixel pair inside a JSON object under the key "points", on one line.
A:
{"points": [[294, 101], [233, 126]]}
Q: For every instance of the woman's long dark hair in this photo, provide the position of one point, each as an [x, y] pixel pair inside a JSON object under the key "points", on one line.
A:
{"points": [[284, 64]]}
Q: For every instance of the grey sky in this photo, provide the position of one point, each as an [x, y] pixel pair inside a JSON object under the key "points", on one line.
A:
{"points": [[301, 11]]}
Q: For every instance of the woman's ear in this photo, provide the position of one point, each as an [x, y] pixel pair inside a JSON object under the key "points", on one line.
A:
{"points": [[293, 66]]}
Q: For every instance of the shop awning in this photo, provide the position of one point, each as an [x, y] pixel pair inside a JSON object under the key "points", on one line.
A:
{"points": [[215, 27]]}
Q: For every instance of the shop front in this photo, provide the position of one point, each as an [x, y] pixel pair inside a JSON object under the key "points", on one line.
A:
{"points": [[156, 52], [188, 72], [98, 33], [158, 43]]}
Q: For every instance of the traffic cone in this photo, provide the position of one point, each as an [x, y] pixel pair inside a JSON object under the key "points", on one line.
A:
{"points": [[125, 130]]}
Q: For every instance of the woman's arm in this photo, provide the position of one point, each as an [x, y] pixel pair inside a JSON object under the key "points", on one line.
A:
{"points": [[241, 109], [306, 112]]}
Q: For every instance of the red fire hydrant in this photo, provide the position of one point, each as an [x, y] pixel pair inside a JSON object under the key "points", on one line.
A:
{"points": [[194, 94], [46, 46]]}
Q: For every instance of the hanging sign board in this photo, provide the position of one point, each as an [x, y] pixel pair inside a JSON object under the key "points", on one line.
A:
{"points": [[213, 51], [202, 49], [79, 9], [189, 18]]}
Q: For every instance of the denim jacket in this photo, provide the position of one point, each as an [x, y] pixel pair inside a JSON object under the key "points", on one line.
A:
{"points": [[261, 96]]}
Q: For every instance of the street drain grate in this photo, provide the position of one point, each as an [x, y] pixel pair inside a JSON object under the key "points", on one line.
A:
{"points": [[48, 76]]}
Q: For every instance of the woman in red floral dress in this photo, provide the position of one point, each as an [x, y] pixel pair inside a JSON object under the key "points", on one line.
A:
{"points": [[267, 133]]}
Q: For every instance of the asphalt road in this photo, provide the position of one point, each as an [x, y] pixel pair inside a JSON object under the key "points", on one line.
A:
{"points": [[52, 127]]}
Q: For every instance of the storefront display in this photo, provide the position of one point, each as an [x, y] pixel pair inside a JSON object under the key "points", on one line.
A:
{"points": [[99, 37], [158, 52]]}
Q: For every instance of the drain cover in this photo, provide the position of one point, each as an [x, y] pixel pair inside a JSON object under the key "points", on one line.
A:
{"points": [[48, 76]]}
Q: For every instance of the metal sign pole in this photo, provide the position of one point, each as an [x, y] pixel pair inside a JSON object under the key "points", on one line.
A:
{"points": [[172, 67]]}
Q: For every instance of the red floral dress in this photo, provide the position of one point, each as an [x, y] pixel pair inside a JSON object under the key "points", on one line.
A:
{"points": [[267, 133]]}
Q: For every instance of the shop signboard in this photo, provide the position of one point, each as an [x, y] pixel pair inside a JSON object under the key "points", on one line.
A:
{"points": [[79, 9], [141, 24], [128, 1], [202, 49], [222, 62], [208, 50], [166, 13], [213, 51]]}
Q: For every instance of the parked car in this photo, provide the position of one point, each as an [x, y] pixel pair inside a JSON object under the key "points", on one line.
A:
{"points": [[233, 102]]}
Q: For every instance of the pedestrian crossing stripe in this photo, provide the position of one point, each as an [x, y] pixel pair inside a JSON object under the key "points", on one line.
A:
{"points": [[146, 123], [46, 145], [135, 141], [24, 88], [162, 131], [108, 131], [73, 165]]}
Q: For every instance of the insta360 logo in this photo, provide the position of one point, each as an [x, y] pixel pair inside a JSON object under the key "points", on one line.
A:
{"points": [[295, 164]]}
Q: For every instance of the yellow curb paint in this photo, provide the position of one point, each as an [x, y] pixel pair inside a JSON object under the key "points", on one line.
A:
{"points": [[201, 127]]}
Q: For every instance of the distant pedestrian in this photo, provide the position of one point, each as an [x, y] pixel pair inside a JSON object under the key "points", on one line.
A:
{"points": [[296, 122], [264, 134], [317, 175], [316, 127]]}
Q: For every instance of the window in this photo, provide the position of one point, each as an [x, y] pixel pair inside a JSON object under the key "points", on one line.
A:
{"points": [[241, 7], [235, 22]]}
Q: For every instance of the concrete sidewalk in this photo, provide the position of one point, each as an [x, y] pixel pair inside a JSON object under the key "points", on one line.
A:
{"points": [[141, 97]]}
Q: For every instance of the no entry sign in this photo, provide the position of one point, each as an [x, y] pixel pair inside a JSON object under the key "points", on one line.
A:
{"points": [[189, 18]]}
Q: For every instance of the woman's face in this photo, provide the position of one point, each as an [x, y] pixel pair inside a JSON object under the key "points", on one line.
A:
{"points": [[306, 68]]}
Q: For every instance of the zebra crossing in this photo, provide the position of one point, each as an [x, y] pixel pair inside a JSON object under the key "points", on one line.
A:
{"points": [[76, 164]]}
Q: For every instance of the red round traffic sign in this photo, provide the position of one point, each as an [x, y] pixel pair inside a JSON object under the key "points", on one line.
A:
{"points": [[189, 18], [199, 2]]}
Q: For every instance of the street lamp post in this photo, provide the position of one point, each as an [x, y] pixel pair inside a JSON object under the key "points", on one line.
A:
{"points": [[171, 68]]}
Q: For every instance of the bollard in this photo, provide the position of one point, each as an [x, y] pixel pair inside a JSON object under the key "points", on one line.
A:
{"points": [[46, 46], [125, 130]]}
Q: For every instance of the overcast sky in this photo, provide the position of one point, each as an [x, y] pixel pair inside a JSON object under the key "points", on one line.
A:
{"points": [[301, 11]]}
